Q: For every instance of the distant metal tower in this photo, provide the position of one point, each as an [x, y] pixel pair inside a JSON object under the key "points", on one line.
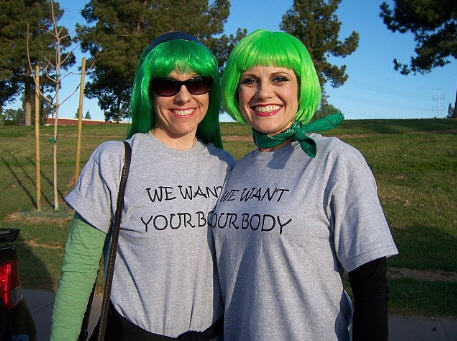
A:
{"points": [[438, 98]]}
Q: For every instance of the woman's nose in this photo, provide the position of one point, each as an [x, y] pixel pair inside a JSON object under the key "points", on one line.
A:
{"points": [[264, 90], [183, 95]]}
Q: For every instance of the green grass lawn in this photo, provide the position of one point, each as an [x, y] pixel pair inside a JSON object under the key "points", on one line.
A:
{"points": [[414, 162]]}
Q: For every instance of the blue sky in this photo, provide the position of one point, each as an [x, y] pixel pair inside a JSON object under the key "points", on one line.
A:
{"points": [[373, 90]]}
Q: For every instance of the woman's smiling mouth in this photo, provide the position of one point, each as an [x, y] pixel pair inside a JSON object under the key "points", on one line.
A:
{"points": [[183, 112], [266, 110]]}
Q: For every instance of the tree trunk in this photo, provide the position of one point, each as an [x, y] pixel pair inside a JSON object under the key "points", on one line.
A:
{"points": [[43, 114], [118, 111], [54, 149], [28, 99], [57, 105], [37, 140], [80, 116], [454, 115]]}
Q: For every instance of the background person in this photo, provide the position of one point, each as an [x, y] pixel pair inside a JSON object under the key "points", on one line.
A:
{"points": [[164, 281], [297, 212]]}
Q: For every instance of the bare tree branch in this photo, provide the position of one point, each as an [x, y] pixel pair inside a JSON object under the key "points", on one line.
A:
{"points": [[52, 72], [35, 80], [68, 97], [68, 55]]}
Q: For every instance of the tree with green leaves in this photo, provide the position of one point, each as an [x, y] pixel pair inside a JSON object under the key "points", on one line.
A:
{"points": [[450, 111], [16, 20], [315, 23], [46, 110], [434, 25], [325, 108], [87, 116], [12, 117], [120, 30]]}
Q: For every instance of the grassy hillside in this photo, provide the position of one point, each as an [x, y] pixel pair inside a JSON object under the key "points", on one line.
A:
{"points": [[414, 162]]}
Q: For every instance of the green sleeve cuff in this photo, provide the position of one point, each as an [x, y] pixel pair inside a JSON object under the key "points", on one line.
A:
{"points": [[79, 271]]}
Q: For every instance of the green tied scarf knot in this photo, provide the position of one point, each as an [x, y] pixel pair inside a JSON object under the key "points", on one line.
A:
{"points": [[299, 132]]}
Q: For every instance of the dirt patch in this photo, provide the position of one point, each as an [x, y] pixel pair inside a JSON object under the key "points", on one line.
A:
{"points": [[237, 138], [34, 244], [446, 131], [422, 275], [353, 136], [346, 136], [249, 137], [28, 219]]}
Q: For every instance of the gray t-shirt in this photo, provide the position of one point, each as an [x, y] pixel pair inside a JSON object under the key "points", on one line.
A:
{"points": [[165, 280], [285, 228]]}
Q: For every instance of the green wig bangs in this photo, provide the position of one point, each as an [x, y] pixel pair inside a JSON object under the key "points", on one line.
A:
{"points": [[267, 48], [185, 56]]}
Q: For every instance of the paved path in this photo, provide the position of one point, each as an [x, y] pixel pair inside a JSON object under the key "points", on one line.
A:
{"points": [[400, 328]]}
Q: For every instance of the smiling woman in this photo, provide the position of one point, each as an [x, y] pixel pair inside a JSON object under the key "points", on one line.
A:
{"points": [[285, 53], [178, 115], [268, 98], [156, 65], [164, 285], [298, 212]]}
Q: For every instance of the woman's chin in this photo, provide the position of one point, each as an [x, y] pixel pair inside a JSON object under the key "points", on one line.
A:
{"points": [[270, 129]]}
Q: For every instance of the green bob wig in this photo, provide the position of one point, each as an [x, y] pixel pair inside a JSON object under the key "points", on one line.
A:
{"points": [[184, 53], [267, 48]]}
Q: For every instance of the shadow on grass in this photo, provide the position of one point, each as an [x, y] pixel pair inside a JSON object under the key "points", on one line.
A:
{"points": [[399, 126], [48, 180], [424, 298], [19, 181], [13, 164], [33, 273], [425, 248]]}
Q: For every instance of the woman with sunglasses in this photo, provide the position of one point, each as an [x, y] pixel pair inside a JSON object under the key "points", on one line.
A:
{"points": [[298, 211], [164, 283]]}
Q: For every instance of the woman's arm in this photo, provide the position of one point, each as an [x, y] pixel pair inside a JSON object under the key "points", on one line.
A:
{"points": [[79, 270], [370, 291]]}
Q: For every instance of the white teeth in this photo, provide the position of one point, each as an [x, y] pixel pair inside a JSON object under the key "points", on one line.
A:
{"points": [[267, 108], [183, 112]]}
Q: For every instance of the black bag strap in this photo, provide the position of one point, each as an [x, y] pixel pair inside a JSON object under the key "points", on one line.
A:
{"points": [[111, 255], [84, 333], [114, 240]]}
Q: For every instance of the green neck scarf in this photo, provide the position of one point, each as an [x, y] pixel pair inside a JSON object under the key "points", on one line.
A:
{"points": [[299, 132]]}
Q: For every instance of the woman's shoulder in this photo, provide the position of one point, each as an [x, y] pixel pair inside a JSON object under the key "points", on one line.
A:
{"points": [[108, 151], [221, 154], [339, 160], [335, 149]]}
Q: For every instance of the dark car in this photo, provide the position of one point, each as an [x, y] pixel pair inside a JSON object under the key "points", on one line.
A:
{"points": [[16, 322]]}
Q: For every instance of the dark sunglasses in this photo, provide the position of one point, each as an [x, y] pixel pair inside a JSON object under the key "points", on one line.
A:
{"points": [[168, 87]]}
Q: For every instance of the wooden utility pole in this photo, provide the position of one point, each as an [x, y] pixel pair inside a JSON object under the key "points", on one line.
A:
{"points": [[37, 138], [80, 118]]}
